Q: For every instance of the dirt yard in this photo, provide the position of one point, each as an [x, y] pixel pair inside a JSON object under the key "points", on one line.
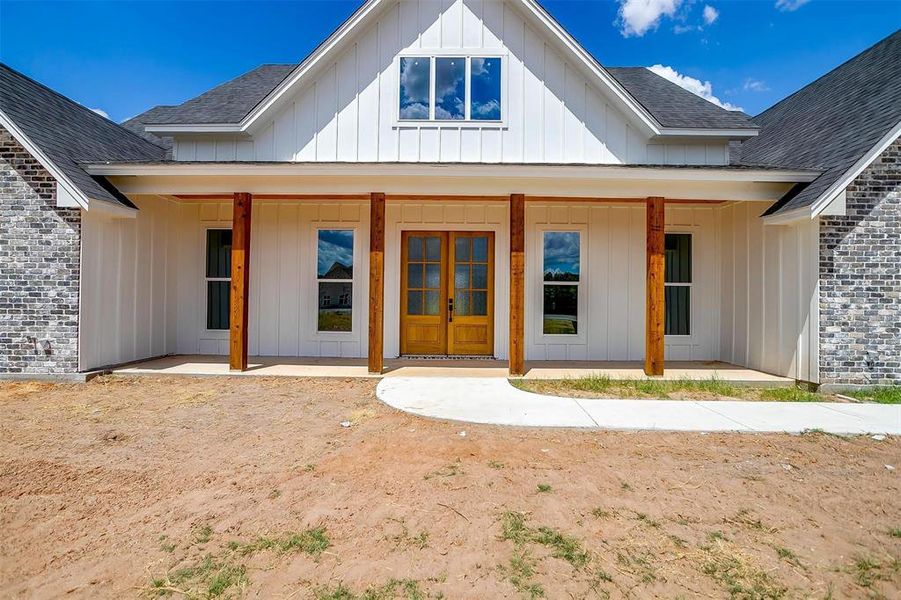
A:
{"points": [[144, 487]]}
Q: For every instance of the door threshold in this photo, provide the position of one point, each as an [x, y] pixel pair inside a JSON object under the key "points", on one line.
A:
{"points": [[446, 357]]}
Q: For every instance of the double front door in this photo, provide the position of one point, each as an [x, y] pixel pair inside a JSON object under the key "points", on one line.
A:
{"points": [[447, 293]]}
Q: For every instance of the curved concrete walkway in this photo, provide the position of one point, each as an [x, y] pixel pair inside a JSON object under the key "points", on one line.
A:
{"points": [[494, 401]]}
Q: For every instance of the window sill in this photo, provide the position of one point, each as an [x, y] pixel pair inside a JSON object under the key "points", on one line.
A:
{"points": [[449, 125]]}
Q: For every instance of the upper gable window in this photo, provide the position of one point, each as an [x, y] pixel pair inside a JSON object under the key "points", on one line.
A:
{"points": [[450, 88]]}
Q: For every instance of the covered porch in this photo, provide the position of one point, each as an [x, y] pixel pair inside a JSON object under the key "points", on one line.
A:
{"points": [[267, 287], [268, 366]]}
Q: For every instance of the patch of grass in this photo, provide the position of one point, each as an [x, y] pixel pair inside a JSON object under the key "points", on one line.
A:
{"points": [[421, 539], [211, 577], [745, 518], [895, 532], [647, 520], [494, 464], [867, 570], [520, 570], [166, 545], [624, 486], [544, 488], [735, 572], [600, 513], [787, 555], [311, 541], [274, 494], [882, 395], [451, 470], [562, 546], [789, 394], [394, 588], [201, 534]]}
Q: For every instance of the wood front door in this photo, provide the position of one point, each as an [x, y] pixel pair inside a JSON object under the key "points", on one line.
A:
{"points": [[447, 293]]}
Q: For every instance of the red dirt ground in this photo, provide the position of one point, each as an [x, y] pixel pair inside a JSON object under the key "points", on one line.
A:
{"points": [[108, 488]]}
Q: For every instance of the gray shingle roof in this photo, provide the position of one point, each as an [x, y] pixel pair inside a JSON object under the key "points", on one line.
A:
{"points": [[69, 133], [832, 123], [226, 103], [674, 106], [136, 125], [670, 104]]}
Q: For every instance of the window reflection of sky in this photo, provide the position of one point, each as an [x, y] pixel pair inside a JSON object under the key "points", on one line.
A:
{"points": [[485, 89], [450, 88], [414, 88], [335, 246], [561, 256]]}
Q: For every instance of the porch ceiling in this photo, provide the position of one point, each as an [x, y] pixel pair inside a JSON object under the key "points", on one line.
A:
{"points": [[573, 181]]}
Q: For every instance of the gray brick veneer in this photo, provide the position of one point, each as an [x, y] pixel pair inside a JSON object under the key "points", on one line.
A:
{"points": [[40, 248], [860, 279]]}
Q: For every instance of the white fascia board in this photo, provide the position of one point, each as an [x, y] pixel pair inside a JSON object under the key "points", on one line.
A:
{"points": [[788, 217], [856, 169], [175, 129], [72, 191], [705, 133], [598, 172]]}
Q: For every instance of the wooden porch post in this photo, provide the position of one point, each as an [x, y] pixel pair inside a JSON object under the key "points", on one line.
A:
{"points": [[376, 281], [654, 305], [240, 281], [517, 284]]}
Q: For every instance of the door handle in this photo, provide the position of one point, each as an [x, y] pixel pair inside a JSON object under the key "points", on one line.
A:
{"points": [[450, 310]]}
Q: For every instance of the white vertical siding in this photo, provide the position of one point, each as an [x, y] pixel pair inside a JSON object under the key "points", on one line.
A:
{"points": [[283, 289], [612, 290], [769, 286], [127, 295], [555, 111]]}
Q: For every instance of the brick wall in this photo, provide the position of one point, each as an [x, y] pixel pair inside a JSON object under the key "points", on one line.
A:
{"points": [[40, 247], [860, 279]]}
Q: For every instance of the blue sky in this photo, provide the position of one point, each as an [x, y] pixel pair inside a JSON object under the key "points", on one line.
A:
{"points": [[124, 57]]}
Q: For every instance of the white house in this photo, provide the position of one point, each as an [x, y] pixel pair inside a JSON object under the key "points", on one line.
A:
{"points": [[452, 177]]}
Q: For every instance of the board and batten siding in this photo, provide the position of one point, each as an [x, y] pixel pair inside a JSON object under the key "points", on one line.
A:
{"points": [[554, 109], [128, 286], [769, 293], [283, 287], [611, 302]]}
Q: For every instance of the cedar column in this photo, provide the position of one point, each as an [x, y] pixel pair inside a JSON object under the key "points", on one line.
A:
{"points": [[654, 306], [517, 283], [376, 281], [240, 281]]}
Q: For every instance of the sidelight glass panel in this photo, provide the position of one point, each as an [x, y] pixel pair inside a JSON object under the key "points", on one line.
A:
{"points": [[485, 89], [450, 89], [678, 258], [561, 309], [414, 87], [677, 304]]}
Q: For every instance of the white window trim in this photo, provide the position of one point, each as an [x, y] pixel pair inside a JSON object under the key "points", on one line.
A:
{"points": [[354, 281], [205, 291], [690, 284], [467, 122], [581, 316]]}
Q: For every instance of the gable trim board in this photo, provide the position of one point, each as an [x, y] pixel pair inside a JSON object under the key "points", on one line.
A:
{"points": [[250, 122], [836, 190], [68, 195]]}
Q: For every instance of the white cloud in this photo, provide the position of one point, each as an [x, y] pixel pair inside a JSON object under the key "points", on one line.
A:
{"points": [[710, 14], [790, 5], [637, 17], [755, 85], [100, 112], [704, 89]]}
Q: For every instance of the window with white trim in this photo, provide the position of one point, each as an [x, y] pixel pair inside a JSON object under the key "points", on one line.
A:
{"points": [[334, 277], [450, 88], [677, 284], [561, 280], [218, 277]]}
